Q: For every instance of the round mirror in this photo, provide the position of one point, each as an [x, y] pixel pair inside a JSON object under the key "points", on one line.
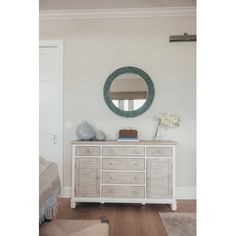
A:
{"points": [[128, 91]]}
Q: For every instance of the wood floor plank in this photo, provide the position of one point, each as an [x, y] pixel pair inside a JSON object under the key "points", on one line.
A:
{"points": [[124, 219]]}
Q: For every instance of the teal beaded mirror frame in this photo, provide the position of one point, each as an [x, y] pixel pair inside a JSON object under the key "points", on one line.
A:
{"points": [[149, 94]]}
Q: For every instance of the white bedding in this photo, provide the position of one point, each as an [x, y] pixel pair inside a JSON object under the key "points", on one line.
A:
{"points": [[49, 189]]}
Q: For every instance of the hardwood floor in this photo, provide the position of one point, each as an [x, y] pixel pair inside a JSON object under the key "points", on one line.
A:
{"points": [[124, 219]]}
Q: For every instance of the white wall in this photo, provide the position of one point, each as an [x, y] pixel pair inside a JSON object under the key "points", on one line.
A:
{"points": [[93, 49]]}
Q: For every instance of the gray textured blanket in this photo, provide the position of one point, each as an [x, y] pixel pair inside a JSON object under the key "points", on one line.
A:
{"points": [[49, 189]]}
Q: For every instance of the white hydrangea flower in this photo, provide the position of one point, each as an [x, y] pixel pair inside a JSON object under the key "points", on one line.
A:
{"points": [[167, 119], [170, 120]]}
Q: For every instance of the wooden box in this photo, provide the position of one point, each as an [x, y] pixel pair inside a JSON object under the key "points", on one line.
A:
{"points": [[123, 133]]}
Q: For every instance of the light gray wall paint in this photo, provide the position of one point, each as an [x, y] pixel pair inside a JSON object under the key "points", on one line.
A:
{"points": [[93, 49]]}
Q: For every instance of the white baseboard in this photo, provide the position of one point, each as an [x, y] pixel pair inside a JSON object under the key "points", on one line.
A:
{"points": [[181, 192], [66, 192], [186, 193]]}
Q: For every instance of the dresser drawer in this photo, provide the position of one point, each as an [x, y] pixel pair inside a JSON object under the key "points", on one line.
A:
{"points": [[122, 192], [123, 164], [159, 151], [123, 151], [123, 178], [87, 151]]}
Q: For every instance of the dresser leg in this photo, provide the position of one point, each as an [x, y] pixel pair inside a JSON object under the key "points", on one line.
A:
{"points": [[73, 204], [174, 206]]}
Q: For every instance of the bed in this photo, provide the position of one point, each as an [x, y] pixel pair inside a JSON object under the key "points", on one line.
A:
{"points": [[49, 189]]}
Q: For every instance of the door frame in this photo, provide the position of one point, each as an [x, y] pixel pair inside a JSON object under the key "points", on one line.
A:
{"points": [[60, 45]]}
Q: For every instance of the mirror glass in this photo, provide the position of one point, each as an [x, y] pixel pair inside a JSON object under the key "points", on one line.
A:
{"points": [[128, 92]]}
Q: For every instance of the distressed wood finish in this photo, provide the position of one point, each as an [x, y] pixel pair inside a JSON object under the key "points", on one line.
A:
{"points": [[87, 177], [159, 152], [124, 172], [123, 151], [122, 192], [123, 178], [87, 151], [123, 164], [159, 176], [126, 143]]}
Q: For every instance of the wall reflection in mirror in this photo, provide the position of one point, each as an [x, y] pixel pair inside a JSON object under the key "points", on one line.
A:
{"points": [[128, 92]]}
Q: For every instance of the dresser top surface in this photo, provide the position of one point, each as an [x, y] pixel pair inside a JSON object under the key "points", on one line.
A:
{"points": [[115, 142]]}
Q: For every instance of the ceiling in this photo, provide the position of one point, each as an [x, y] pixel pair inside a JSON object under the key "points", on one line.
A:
{"points": [[111, 4]]}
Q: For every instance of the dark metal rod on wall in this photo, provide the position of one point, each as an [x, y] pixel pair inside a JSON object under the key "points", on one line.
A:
{"points": [[183, 38]]}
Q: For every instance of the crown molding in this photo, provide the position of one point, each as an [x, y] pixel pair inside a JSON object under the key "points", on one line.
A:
{"points": [[116, 13]]}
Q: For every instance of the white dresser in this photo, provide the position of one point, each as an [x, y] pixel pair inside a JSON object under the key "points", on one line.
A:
{"points": [[125, 172]]}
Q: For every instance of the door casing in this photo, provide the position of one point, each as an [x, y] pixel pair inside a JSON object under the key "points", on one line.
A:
{"points": [[58, 44]]}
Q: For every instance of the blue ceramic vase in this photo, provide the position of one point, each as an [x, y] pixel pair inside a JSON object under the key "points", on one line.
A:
{"points": [[85, 131]]}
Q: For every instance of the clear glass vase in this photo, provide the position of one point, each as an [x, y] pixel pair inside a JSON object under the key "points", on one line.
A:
{"points": [[157, 137]]}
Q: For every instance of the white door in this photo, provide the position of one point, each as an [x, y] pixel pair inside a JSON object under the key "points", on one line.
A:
{"points": [[51, 102]]}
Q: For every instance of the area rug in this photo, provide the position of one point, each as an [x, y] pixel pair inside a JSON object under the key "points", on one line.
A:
{"points": [[179, 224], [74, 228]]}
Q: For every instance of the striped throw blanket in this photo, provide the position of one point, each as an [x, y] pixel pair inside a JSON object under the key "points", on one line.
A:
{"points": [[49, 189]]}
